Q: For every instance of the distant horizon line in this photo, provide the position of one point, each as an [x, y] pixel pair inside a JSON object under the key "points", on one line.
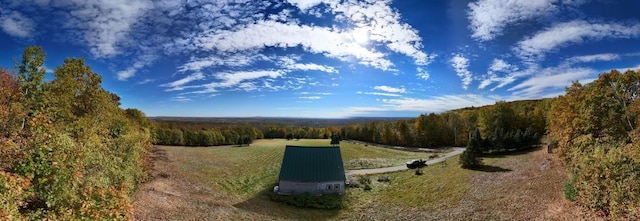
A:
{"points": [[274, 117]]}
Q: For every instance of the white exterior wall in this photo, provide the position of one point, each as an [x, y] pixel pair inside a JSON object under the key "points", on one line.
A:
{"points": [[314, 188]]}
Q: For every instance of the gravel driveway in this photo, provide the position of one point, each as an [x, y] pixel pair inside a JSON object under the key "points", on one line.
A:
{"points": [[456, 151]]}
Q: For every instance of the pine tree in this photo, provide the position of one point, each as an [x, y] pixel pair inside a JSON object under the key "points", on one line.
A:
{"points": [[470, 158]]}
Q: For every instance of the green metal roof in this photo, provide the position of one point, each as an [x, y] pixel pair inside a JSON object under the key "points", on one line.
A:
{"points": [[312, 164]]}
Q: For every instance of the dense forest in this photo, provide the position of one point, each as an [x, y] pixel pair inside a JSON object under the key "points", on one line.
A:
{"points": [[67, 151]]}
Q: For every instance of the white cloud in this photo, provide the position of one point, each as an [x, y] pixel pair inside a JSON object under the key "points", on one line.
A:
{"points": [[389, 89], [422, 74], [438, 103], [311, 98], [15, 24], [292, 64], [103, 23], [241, 80], [142, 61], [592, 58], [129, 72], [371, 24], [381, 94], [461, 64], [235, 60], [146, 81], [573, 32], [181, 99], [320, 40], [488, 18], [432, 104], [175, 85], [305, 4], [498, 65], [383, 24], [555, 78], [359, 111]]}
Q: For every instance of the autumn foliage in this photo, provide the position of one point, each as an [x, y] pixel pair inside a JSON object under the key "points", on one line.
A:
{"points": [[596, 128], [68, 151]]}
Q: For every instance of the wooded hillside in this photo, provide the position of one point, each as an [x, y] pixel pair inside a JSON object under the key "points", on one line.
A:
{"points": [[67, 151], [596, 129]]}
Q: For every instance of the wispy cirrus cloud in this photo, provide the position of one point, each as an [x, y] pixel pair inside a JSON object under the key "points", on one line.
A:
{"points": [[387, 91], [379, 94], [573, 32], [498, 66], [461, 66], [390, 89], [552, 79], [310, 97], [177, 85], [240, 80], [293, 64], [593, 58]]}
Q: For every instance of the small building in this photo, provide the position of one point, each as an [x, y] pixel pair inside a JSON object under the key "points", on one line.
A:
{"points": [[313, 170]]}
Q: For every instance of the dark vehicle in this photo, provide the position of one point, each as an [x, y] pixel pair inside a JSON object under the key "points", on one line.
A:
{"points": [[412, 164]]}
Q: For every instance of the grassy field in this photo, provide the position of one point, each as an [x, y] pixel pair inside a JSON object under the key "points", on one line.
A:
{"points": [[235, 182], [247, 170]]}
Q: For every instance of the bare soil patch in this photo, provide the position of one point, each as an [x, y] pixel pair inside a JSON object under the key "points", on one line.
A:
{"points": [[167, 196]]}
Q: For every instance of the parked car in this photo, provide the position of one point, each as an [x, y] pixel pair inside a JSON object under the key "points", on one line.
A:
{"points": [[412, 164]]}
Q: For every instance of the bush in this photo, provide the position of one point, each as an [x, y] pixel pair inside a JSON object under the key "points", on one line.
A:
{"points": [[606, 180], [14, 190], [569, 190]]}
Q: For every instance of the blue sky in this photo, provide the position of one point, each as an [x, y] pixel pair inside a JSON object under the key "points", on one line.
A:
{"points": [[327, 58]]}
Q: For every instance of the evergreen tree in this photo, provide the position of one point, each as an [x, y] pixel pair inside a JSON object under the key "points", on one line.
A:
{"points": [[335, 139], [470, 158]]}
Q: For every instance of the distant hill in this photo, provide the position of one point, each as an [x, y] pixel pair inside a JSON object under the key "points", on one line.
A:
{"points": [[278, 121]]}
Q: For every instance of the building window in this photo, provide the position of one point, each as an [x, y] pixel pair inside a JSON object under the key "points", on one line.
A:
{"points": [[336, 186], [329, 187]]}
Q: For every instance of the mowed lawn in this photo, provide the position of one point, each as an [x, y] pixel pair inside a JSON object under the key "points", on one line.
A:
{"points": [[232, 183], [250, 169]]}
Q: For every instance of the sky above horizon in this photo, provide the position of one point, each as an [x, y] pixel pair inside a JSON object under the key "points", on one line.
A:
{"points": [[326, 58]]}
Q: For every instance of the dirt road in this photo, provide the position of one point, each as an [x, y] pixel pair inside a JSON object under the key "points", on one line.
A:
{"points": [[456, 151]]}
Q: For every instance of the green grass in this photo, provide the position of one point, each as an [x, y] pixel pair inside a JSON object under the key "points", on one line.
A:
{"points": [[359, 156], [248, 170], [247, 174], [440, 186]]}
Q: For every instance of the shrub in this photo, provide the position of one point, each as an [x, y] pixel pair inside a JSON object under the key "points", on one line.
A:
{"points": [[569, 190], [606, 180], [14, 190]]}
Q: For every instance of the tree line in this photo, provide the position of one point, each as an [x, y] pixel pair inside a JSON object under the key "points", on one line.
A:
{"points": [[507, 126], [67, 151], [186, 133]]}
